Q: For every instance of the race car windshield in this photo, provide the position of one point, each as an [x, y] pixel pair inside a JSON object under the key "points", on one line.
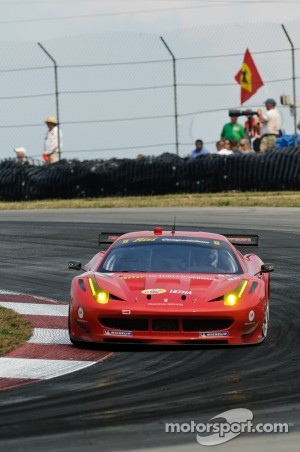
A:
{"points": [[168, 254]]}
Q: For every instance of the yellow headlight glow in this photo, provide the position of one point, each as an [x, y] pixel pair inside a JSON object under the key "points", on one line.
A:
{"points": [[101, 296], [231, 299]]}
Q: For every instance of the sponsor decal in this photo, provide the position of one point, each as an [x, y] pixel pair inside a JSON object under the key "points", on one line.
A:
{"points": [[145, 239], [216, 242], [184, 276], [238, 239], [117, 333], [214, 334], [250, 240], [80, 313], [153, 291], [131, 277], [251, 315], [185, 240], [181, 292], [126, 311]]}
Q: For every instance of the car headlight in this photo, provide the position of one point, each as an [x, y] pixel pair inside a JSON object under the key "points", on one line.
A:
{"points": [[100, 295], [231, 299]]}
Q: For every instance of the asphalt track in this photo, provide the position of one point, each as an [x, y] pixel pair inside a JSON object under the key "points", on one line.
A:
{"points": [[124, 402]]}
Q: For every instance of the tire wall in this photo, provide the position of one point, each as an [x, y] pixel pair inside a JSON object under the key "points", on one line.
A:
{"points": [[166, 174]]}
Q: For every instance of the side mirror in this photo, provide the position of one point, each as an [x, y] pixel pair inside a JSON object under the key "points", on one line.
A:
{"points": [[267, 268], [74, 265]]}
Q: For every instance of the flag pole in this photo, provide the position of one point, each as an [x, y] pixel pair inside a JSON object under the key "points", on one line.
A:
{"points": [[294, 106]]}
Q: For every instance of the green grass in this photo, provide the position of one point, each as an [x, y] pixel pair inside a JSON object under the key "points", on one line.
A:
{"points": [[15, 329], [230, 199]]}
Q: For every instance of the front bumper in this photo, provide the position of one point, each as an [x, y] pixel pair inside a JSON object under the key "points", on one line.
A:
{"points": [[224, 326]]}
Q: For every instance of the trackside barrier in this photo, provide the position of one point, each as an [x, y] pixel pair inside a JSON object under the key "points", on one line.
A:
{"points": [[166, 174]]}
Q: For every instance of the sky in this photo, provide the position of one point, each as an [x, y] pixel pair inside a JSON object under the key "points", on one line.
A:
{"points": [[43, 20], [46, 19]]}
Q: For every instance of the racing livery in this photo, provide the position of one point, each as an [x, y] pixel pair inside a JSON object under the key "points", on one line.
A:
{"points": [[171, 287]]}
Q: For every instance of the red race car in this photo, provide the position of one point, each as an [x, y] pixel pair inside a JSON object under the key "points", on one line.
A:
{"points": [[171, 287]]}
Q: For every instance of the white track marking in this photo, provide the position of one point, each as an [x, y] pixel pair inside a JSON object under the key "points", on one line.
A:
{"points": [[28, 368], [49, 336], [39, 369], [36, 308]]}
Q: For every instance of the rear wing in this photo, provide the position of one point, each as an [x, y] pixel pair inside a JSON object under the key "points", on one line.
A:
{"points": [[107, 238], [242, 239]]}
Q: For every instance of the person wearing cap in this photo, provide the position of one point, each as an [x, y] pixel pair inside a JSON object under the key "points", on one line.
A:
{"points": [[270, 126], [52, 145], [21, 155]]}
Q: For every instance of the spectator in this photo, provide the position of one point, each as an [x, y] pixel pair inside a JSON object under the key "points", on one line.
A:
{"points": [[21, 155], [220, 145], [234, 146], [222, 150], [227, 144], [51, 146], [270, 126], [199, 150], [233, 130], [255, 140], [245, 146]]}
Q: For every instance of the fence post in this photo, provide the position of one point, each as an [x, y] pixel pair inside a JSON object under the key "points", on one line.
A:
{"points": [[56, 96], [175, 92], [294, 85]]}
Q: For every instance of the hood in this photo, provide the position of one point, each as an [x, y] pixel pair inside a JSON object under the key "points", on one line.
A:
{"points": [[139, 286]]}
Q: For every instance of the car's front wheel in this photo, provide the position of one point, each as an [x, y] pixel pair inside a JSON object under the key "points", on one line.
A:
{"points": [[76, 343], [265, 326]]}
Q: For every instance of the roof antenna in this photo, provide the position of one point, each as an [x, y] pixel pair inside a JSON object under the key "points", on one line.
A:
{"points": [[174, 225]]}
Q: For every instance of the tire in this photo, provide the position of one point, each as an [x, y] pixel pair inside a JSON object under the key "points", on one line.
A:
{"points": [[79, 344], [265, 326]]}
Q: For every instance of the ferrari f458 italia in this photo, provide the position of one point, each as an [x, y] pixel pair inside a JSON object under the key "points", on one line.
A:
{"points": [[169, 287]]}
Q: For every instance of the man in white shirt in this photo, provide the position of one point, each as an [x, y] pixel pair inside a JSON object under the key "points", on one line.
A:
{"points": [[270, 126], [52, 145]]}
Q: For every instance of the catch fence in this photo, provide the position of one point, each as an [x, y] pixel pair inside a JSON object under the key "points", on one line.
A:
{"points": [[118, 95]]}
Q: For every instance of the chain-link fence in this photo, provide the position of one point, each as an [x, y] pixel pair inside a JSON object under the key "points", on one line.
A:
{"points": [[122, 94]]}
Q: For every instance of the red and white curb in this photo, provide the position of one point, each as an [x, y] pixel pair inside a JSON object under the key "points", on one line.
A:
{"points": [[49, 352]]}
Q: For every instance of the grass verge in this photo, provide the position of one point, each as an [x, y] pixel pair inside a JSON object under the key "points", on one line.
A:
{"points": [[15, 329], [230, 199]]}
